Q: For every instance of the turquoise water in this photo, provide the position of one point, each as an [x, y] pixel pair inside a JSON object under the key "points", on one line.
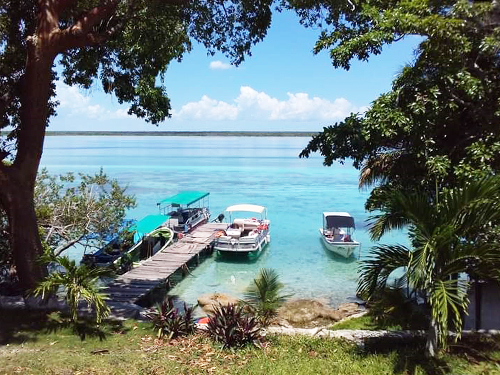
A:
{"points": [[257, 170]]}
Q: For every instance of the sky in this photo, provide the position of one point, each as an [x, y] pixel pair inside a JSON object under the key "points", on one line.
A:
{"points": [[283, 86]]}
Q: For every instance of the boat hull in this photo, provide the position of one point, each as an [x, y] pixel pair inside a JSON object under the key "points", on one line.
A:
{"points": [[198, 217], [344, 249], [234, 246]]}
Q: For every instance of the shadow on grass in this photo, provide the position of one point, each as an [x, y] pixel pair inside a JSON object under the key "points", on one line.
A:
{"points": [[20, 326], [477, 348], [410, 355]]}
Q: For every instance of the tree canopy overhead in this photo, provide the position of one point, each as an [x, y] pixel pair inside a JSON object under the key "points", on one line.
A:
{"points": [[440, 122], [126, 45]]}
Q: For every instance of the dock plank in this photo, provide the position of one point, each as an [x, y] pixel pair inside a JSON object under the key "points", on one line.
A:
{"points": [[139, 281]]}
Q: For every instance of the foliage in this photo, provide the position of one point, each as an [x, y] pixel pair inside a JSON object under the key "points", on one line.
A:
{"points": [[393, 307], [170, 322], [5, 253], [443, 108], [231, 326], [263, 295], [445, 244], [77, 283], [88, 211], [126, 46], [124, 264]]}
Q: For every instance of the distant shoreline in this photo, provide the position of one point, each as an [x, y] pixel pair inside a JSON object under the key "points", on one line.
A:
{"points": [[181, 133]]}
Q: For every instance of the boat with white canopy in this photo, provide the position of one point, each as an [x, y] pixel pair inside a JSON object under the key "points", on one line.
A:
{"points": [[337, 233], [244, 235]]}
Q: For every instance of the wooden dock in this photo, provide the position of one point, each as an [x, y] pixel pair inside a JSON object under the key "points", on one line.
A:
{"points": [[152, 272]]}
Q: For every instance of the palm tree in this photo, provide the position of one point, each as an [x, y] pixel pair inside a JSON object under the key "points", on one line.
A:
{"points": [[263, 295], [445, 244], [78, 283]]}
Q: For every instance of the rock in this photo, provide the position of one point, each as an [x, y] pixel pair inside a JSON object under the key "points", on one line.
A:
{"points": [[123, 311], [39, 303], [209, 301], [349, 308], [12, 302], [312, 313]]}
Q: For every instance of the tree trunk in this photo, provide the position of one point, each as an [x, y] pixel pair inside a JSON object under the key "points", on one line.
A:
{"points": [[25, 240], [17, 181], [431, 347]]}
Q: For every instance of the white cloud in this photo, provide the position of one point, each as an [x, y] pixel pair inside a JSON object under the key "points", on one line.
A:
{"points": [[219, 65], [249, 105], [77, 104], [253, 105], [207, 109]]}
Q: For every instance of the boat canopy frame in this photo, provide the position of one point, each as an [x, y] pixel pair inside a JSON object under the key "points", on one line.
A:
{"points": [[183, 199], [338, 220], [246, 208], [261, 210], [147, 225]]}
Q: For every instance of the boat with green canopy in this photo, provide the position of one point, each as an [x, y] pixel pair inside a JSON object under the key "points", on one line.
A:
{"points": [[147, 236], [185, 210]]}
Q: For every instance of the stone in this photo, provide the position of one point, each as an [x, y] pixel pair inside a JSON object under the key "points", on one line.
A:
{"points": [[209, 301], [313, 313], [12, 302], [349, 308], [39, 303]]}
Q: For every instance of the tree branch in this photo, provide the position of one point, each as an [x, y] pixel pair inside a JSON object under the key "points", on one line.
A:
{"points": [[66, 245], [62, 5]]}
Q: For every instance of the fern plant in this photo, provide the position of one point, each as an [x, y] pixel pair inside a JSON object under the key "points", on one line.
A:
{"points": [[170, 322], [232, 327]]}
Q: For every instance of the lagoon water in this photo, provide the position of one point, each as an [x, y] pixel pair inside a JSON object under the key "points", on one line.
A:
{"points": [[257, 170]]}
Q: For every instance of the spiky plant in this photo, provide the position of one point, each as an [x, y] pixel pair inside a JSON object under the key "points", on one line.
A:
{"points": [[172, 323], [232, 327], [446, 243], [78, 283], [264, 296]]}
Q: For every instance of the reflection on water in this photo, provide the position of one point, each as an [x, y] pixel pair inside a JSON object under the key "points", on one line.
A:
{"points": [[263, 171]]}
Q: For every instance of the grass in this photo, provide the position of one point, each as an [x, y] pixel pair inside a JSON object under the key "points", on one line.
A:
{"points": [[363, 322], [37, 344]]}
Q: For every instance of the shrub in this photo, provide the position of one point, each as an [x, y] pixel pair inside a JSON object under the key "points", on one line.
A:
{"points": [[232, 327], [77, 282], [392, 307], [170, 322], [263, 295]]}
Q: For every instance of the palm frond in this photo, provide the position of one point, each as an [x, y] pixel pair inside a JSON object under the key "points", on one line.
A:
{"points": [[375, 271], [449, 301], [264, 294], [402, 209], [474, 204], [78, 283]]}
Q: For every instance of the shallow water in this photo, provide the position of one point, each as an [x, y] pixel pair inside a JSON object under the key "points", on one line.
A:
{"points": [[257, 170]]}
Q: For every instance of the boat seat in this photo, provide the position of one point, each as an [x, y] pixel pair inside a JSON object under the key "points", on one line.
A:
{"points": [[247, 224], [234, 231]]}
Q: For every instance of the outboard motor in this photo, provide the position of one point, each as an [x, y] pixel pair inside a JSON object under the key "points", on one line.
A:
{"points": [[219, 218]]}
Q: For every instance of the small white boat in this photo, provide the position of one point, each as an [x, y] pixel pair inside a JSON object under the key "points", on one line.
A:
{"points": [[244, 235], [337, 233]]}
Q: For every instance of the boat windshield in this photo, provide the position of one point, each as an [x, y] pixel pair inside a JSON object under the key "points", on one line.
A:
{"points": [[339, 222]]}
